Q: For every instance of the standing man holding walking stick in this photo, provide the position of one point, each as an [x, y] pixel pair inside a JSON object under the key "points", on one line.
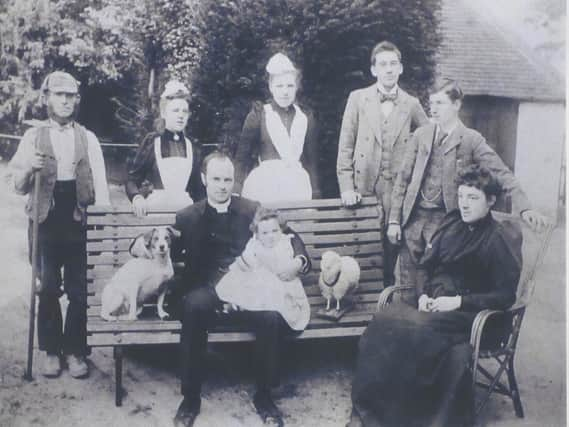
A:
{"points": [[69, 162]]}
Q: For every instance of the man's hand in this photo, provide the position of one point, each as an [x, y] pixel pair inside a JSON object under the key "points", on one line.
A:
{"points": [[291, 270], [351, 198], [446, 303], [394, 233], [139, 205], [38, 161], [535, 220]]}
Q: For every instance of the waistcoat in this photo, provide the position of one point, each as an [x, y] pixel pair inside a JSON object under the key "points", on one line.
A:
{"points": [[431, 195], [48, 176]]}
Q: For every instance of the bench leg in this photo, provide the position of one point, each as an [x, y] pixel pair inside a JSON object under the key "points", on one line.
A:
{"points": [[117, 354]]}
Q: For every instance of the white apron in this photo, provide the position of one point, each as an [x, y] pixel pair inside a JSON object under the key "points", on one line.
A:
{"points": [[174, 173], [281, 179]]}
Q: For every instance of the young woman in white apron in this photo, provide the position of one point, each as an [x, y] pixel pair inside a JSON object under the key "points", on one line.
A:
{"points": [[282, 139], [165, 169], [175, 172]]}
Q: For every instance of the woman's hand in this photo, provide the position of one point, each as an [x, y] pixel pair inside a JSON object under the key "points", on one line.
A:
{"points": [[446, 303], [425, 303], [139, 205]]}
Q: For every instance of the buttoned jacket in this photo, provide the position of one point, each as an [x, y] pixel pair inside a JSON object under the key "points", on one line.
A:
{"points": [[463, 147], [366, 133]]}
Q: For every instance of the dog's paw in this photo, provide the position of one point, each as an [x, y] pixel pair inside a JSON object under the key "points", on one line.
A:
{"points": [[164, 316]]}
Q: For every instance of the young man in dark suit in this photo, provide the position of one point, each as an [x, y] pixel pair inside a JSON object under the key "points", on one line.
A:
{"points": [[214, 232]]}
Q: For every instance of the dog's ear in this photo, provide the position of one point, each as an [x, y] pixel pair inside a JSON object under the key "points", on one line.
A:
{"points": [[174, 234], [140, 246]]}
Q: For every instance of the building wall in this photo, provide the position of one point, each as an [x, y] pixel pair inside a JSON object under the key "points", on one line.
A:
{"points": [[539, 153], [496, 119]]}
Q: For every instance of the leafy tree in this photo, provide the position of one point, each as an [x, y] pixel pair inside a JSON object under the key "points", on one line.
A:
{"points": [[41, 36], [119, 49], [330, 41]]}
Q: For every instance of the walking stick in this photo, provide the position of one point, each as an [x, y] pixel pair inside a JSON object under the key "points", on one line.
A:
{"points": [[33, 290]]}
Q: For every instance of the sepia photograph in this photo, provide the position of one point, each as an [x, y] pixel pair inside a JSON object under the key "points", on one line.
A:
{"points": [[301, 213]]}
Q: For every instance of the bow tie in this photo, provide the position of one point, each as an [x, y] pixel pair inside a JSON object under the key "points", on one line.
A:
{"points": [[387, 97]]}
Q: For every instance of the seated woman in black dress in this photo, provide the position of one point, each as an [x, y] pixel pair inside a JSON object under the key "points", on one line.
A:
{"points": [[165, 170], [412, 367]]}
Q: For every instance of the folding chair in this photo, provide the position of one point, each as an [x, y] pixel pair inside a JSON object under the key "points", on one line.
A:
{"points": [[502, 348], [485, 340]]}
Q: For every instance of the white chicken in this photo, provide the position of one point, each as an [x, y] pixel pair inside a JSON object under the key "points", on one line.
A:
{"points": [[339, 276]]}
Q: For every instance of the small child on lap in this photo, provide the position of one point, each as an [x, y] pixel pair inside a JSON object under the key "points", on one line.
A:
{"points": [[255, 280]]}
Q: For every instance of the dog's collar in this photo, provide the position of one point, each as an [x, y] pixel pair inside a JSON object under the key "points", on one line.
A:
{"points": [[334, 281]]}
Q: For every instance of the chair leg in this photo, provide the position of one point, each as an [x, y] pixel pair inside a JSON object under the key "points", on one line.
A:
{"points": [[118, 354], [495, 383], [514, 389]]}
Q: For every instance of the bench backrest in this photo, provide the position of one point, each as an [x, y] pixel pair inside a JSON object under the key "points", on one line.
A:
{"points": [[322, 225]]}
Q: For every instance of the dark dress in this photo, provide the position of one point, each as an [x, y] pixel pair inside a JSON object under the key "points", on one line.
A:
{"points": [[143, 174], [412, 367], [255, 144]]}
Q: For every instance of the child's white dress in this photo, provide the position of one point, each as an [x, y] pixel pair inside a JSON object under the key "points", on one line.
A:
{"points": [[252, 283]]}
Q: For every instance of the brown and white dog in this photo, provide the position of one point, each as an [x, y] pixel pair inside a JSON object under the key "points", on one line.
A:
{"points": [[141, 277]]}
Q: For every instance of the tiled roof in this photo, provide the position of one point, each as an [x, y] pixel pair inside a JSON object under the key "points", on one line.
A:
{"points": [[485, 61]]}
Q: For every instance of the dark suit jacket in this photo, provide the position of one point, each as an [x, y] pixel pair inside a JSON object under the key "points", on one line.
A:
{"points": [[190, 222]]}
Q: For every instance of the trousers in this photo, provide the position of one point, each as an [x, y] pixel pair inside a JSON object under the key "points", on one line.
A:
{"points": [[383, 190], [417, 233], [200, 312], [62, 244]]}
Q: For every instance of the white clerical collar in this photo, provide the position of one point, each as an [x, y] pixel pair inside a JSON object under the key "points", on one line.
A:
{"points": [[54, 125], [219, 207], [384, 91]]}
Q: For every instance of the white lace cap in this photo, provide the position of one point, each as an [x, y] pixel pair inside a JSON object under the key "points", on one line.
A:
{"points": [[175, 89], [280, 64]]}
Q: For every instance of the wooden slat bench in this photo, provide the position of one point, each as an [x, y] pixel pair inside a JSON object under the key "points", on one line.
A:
{"points": [[322, 224]]}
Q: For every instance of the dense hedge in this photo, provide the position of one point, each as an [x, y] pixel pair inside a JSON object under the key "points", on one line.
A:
{"points": [[330, 40], [120, 49]]}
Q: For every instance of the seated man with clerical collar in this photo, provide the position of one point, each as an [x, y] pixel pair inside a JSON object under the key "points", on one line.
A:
{"points": [[214, 232]]}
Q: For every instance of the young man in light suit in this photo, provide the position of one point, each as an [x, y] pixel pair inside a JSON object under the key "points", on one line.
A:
{"points": [[425, 188], [376, 126]]}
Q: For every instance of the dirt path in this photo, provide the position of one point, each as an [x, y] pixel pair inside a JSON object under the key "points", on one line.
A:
{"points": [[316, 382]]}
